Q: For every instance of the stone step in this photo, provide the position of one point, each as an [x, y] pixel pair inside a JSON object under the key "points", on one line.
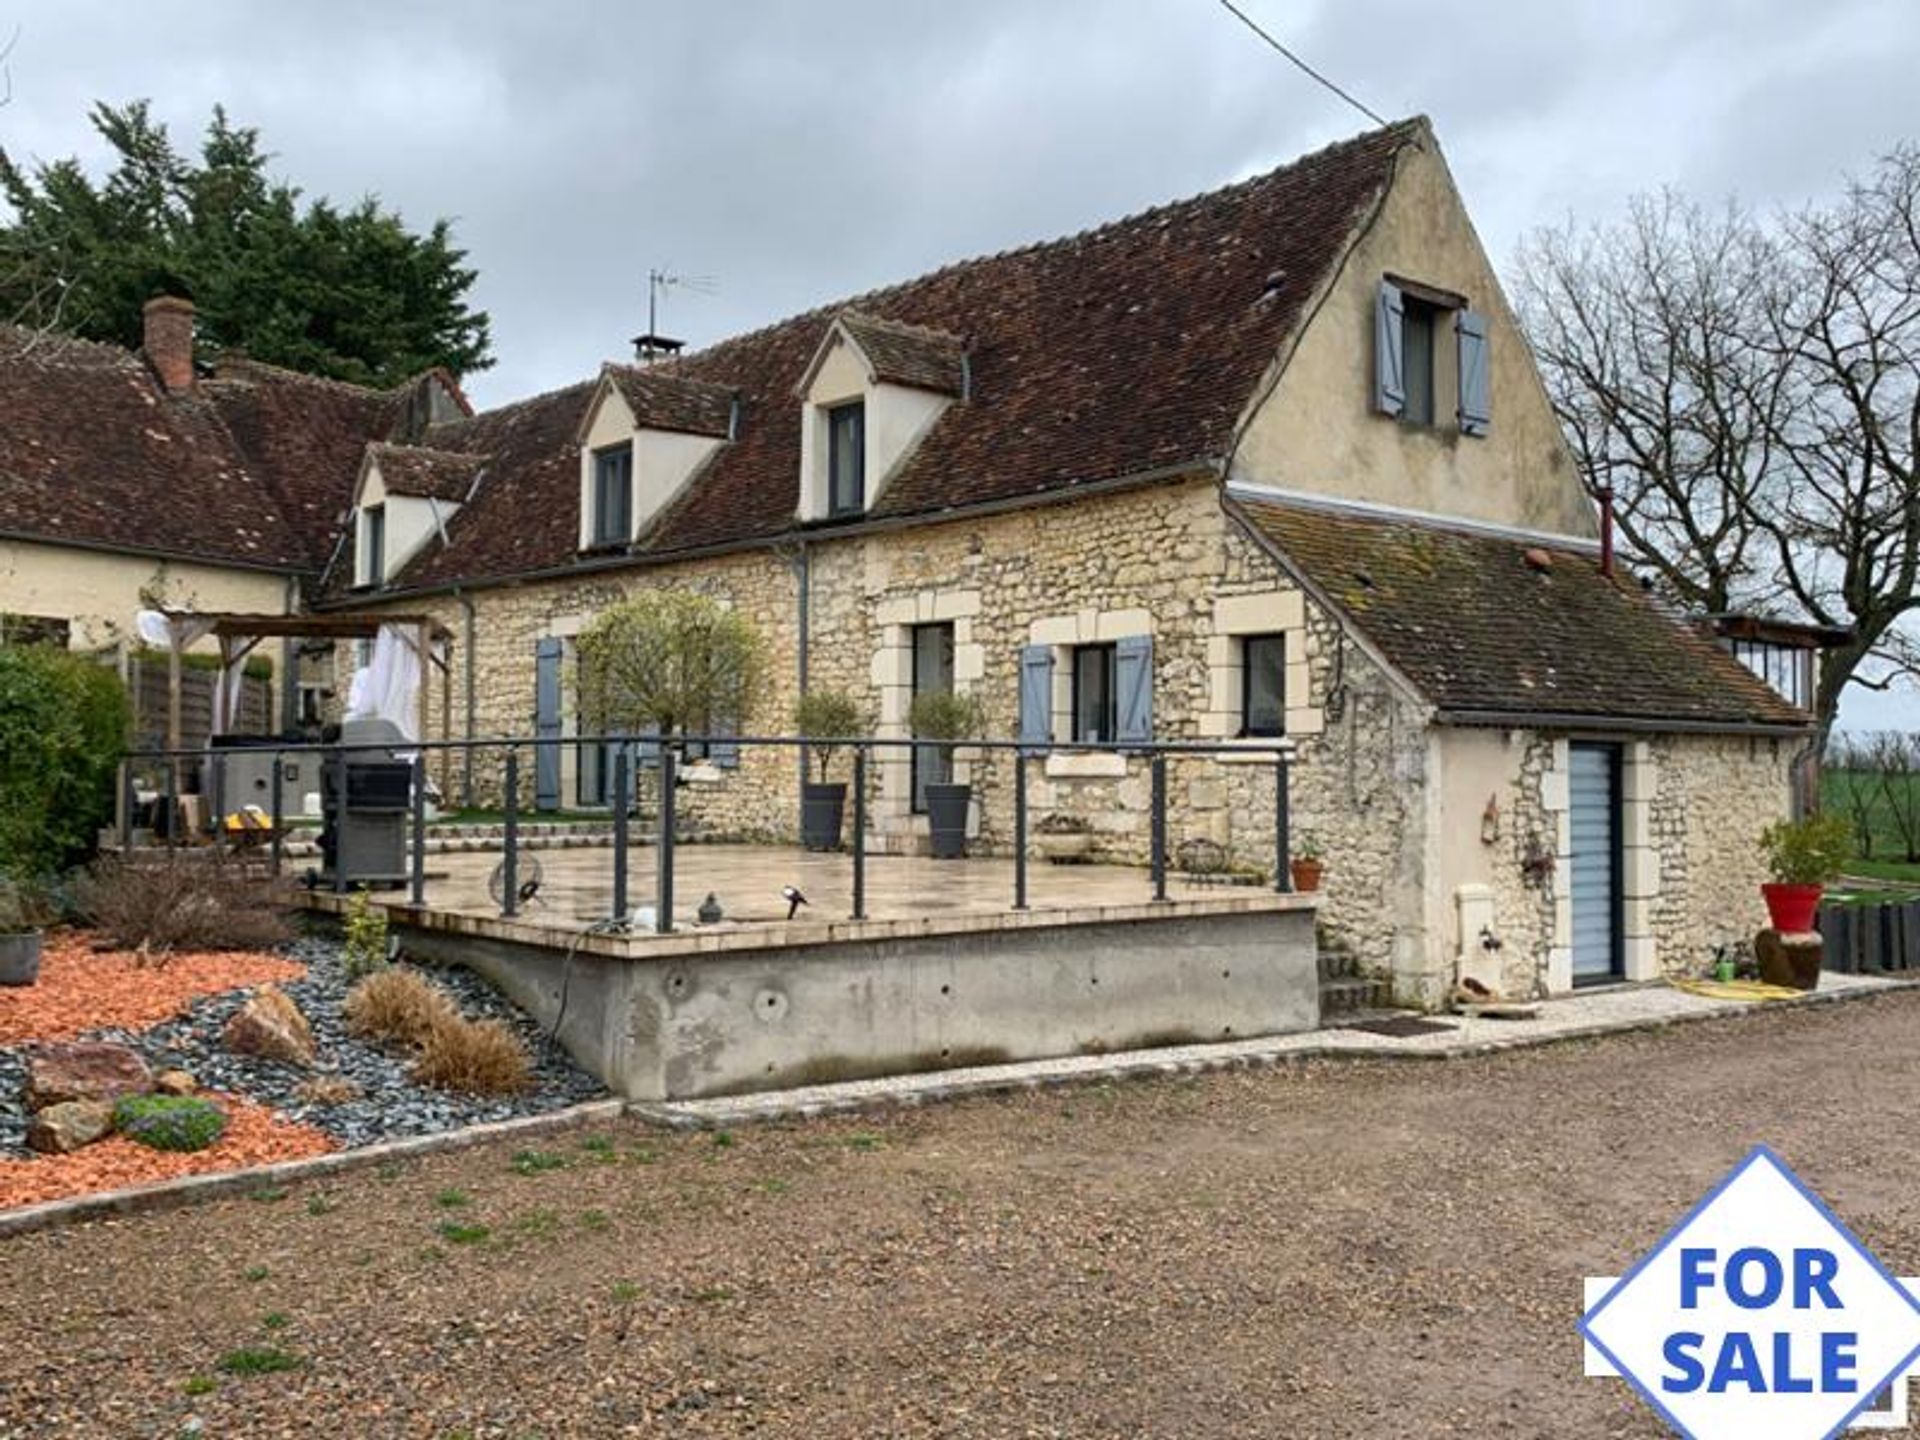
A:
{"points": [[1352, 995], [438, 844], [1337, 962]]}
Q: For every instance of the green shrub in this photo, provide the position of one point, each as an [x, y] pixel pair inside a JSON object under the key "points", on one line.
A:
{"points": [[1807, 852], [181, 901], [364, 948], [169, 1122], [63, 726], [827, 715]]}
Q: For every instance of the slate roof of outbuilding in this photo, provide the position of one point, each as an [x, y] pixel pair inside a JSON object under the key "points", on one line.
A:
{"points": [[1482, 628], [1124, 351]]}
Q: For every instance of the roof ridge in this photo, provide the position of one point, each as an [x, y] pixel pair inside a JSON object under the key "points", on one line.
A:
{"points": [[1412, 125], [273, 371]]}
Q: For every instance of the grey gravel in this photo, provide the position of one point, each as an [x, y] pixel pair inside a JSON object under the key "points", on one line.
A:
{"points": [[391, 1105]]}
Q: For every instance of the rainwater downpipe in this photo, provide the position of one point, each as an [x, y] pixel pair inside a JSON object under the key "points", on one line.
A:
{"points": [[466, 755]]}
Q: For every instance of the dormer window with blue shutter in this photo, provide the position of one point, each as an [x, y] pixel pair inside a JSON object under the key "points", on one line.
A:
{"points": [[1414, 375]]}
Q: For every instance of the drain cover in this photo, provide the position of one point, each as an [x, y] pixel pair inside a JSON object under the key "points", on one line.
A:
{"points": [[1401, 1027]]}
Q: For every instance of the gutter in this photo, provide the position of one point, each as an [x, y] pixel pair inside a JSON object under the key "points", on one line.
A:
{"points": [[1633, 724], [1204, 467]]}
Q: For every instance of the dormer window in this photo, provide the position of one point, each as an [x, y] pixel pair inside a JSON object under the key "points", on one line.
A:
{"points": [[613, 495], [373, 545], [846, 458]]}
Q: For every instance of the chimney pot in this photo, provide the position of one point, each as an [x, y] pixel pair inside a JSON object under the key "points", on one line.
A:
{"points": [[167, 339]]}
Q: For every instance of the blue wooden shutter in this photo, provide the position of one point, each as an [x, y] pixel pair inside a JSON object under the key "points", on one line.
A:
{"points": [[1036, 693], [547, 655], [724, 752], [1389, 357], [1133, 687], [1476, 383]]}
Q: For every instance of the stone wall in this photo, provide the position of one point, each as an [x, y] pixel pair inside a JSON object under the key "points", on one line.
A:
{"points": [[1165, 561]]}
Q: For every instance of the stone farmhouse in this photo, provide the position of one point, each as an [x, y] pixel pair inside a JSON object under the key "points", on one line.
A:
{"points": [[1273, 461]]}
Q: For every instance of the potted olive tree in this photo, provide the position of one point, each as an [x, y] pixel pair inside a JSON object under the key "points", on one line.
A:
{"points": [[22, 913], [944, 715], [824, 717], [1802, 856]]}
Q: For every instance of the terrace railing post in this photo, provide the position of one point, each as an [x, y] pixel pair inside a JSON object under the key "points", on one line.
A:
{"points": [[1019, 829], [125, 807], [620, 806], [1282, 827], [418, 869], [510, 861], [1157, 768], [173, 802], [663, 874], [338, 760], [859, 832], [277, 798]]}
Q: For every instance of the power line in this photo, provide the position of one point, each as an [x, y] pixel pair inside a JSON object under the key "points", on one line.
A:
{"points": [[1306, 69]]}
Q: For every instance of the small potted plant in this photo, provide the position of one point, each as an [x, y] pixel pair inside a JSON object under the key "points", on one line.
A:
{"points": [[1063, 839], [22, 913], [824, 717], [944, 715], [1306, 865], [1802, 856]]}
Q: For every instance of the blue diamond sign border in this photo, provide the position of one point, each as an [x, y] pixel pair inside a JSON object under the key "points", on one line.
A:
{"points": [[1755, 1156]]}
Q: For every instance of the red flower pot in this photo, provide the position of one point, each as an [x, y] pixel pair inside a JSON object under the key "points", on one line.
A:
{"points": [[1792, 907]]}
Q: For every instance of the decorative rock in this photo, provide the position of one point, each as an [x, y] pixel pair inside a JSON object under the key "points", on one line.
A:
{"points": [[84, 1070], [63, 1128], [271, 1026], [175, 1082]]}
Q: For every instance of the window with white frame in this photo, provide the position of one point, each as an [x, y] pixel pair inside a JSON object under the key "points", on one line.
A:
{"points": [[373, 545], [612, 495], [846, 458]]}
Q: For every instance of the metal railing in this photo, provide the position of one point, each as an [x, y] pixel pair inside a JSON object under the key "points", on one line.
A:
{"points": [[667, 760]]}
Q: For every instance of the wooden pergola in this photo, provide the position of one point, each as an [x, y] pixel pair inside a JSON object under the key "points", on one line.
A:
{"points": [[239, 633]]}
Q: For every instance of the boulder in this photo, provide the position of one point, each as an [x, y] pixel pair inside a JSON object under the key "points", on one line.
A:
{"points": [[84, 1070], [60, 1129], [271, 1026], [175, 1082]]}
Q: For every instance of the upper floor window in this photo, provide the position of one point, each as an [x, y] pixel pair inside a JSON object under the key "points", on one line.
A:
{"points": [[1263, 691], [846, 458], [373, 545], [612, 495], [1414, 376]]}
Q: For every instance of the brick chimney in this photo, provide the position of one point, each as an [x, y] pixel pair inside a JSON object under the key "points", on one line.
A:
{"points": [[168, 341]]}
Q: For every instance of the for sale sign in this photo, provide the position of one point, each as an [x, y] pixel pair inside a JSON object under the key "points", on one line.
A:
{"points": [[1759, 1315]]}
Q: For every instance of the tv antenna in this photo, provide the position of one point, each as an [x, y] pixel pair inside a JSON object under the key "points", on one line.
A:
{"points": [[653, 345]]}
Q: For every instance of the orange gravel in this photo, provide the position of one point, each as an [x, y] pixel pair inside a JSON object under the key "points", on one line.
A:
{"points": [[80, 990], [255, 1135]]}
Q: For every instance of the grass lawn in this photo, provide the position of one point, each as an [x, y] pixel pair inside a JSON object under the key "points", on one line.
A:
{"points": [[1843, 792]]}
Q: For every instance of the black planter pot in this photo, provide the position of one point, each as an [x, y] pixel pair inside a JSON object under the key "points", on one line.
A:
{"points": [[947, 807], [20, 958], [821, 810]]}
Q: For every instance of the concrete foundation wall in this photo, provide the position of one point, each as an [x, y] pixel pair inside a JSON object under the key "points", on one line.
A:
{"points": [[763, 1019]]}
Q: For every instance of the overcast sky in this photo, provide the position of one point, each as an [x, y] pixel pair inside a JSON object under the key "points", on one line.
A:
{"points": [[799, 152]]}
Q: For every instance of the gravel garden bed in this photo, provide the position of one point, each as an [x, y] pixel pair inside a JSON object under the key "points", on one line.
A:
{"points": [[388, 1103]]}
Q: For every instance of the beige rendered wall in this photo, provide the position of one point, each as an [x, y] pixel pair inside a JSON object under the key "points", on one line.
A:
{"points": [[99, 592], [1319, 432]]}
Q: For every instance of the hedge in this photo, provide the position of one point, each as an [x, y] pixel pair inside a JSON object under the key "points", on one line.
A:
{"points": [[63, 726]]}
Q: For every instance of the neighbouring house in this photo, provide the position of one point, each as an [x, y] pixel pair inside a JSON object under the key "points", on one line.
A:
{"points": [[1270, 462], [135, 479]]}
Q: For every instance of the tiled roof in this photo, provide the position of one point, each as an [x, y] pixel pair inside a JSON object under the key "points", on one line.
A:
{"points": [[662, 399], [93, 451], [1123, 351], [908, 354], [1490, 624], [425, 473]]}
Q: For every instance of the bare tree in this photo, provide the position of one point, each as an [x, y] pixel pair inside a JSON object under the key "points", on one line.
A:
{"points": [[1852, 785], [1896, 772], [1748, 389]]}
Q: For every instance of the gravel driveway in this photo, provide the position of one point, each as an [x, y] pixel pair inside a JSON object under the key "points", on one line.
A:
{"points": [[1338, 1249]]}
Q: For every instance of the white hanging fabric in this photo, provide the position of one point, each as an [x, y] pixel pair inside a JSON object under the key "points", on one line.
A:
{"points": [[388, 687]]}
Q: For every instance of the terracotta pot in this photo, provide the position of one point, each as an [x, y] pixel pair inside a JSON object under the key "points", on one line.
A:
{"points": [[1792, 907], [1306, 874]]}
